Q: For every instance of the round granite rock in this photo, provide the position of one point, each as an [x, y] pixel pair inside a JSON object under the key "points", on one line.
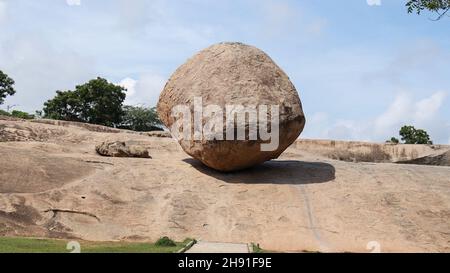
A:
{"points": [[232, 74]]}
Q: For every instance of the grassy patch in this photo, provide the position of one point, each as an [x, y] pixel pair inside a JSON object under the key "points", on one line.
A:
{"points": [[256, 248], [165, 242], [35, 245]]}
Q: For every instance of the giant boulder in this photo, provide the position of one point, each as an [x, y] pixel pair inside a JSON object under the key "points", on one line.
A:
{"points": [[232, 74]]}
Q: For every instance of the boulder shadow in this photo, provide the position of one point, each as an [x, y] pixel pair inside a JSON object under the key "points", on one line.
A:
{"points": [[292, 172]]}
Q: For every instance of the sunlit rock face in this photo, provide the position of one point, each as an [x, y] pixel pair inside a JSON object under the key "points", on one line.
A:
{"points": [[227, 77]]}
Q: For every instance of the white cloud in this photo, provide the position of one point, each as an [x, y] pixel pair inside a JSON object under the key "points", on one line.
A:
{"points": [[423, 113], [40, 69], [374, 2], [427, 108], [318, 117], [2, 10], [404, 110], [73, 2], [160, 25], [130, 85], [149, 87], [401, 69], [316, 125], [145, 90], [342, 132], [398, 111]]}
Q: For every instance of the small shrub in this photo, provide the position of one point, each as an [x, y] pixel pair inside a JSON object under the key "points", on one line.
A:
{"points": [[188, 240], [375, 155], [393, 140], [4, 113], [21, 114], [256, 248], [165, 241]]}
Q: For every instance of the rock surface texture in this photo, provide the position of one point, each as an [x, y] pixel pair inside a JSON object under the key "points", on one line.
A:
{"points": [[303, 201], [233, 74], [122, 149]]}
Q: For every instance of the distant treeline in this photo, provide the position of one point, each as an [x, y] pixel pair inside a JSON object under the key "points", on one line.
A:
{"points": [[97, 101]]}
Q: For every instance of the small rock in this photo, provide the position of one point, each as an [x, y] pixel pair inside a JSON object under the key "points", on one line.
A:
{"points": [[122, 149]]}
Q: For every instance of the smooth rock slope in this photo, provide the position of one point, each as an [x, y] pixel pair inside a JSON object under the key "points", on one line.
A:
{"points": [[55, 185]]}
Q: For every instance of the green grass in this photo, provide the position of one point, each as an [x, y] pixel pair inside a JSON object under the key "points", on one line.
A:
{"points": [[257, 249], [35, 245]]}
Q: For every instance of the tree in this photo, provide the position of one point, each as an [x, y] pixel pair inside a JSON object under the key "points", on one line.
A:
{"points": [[21, 114], [64, 106], [441, 7], [411, 135], [138, 118], [38, 114], [4, 113], [17, 114], [393, 140], [96, 101], [6, 86]]}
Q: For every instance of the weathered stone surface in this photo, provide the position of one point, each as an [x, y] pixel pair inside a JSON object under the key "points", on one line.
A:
{"points": [[158, 134], [233, 74], [122, 149], [60, 188]]}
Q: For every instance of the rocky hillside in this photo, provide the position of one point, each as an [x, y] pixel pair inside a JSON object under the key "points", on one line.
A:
{"points": [[54, 184], [355, 151]]}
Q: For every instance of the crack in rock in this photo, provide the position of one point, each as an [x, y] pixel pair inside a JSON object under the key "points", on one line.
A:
{"points": [[56, 211], [98, 162]]}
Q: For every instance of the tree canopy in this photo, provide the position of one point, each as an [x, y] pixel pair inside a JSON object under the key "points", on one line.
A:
{"points": [[96, 101], [393, 140], [441, 7], [6, 86], [411, 135], [138, 118]]}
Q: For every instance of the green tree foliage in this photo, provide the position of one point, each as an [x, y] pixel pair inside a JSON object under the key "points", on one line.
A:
{"points": [[394, 140], [4, 113], [441, 7], [17, 114], [97, 101], [139, 118], [411, 135], [21, 114], [6, 86], [165, 241]]}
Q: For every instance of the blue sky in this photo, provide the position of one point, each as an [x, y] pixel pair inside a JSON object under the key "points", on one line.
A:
{"points": [[361, 70]]}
